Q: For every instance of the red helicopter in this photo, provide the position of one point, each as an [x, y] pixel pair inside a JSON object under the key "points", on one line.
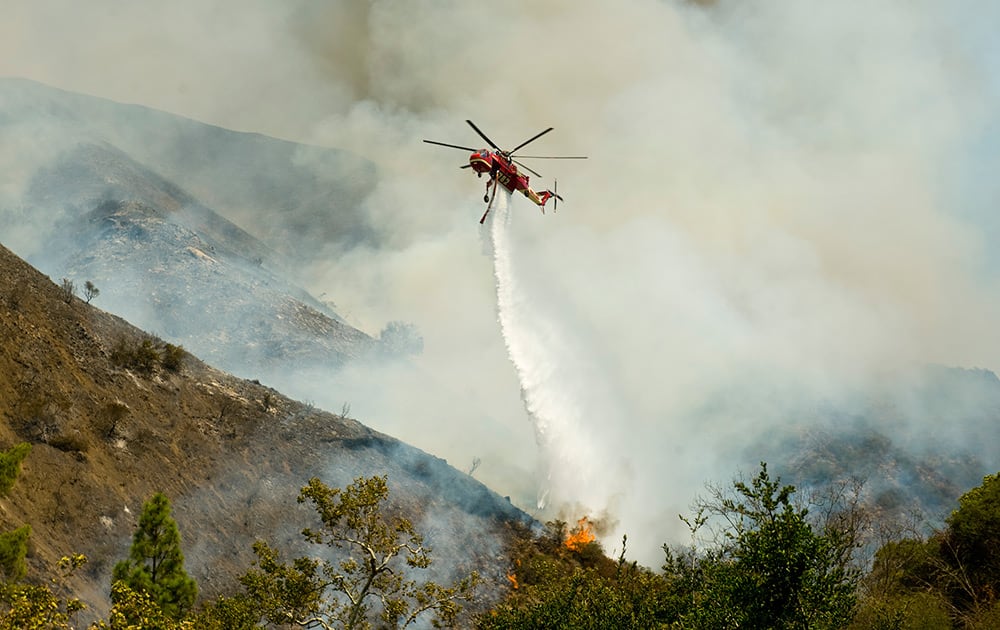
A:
{"points": [[502, 167]]}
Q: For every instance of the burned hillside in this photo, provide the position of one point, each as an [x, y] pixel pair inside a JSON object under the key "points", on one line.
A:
{"points": [[115, 414]]}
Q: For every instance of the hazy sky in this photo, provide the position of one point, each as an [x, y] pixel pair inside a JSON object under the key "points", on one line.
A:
{"points": [[800, 195]]}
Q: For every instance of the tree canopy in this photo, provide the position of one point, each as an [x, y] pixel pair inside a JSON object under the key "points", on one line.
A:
{"points": [[951, 574], [370, 580], [972, 539], [761, 558], [155, 565], [770, 567]]}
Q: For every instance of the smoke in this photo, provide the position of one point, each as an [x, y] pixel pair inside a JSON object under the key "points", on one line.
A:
{"points": [[782, 204], [769, 217]]}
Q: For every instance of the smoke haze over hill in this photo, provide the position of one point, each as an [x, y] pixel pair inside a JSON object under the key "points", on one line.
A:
{"points": [[784, 204]]}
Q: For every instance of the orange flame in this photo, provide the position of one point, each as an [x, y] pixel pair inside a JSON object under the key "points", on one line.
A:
{"points": [[580, 536], [513, 581]]}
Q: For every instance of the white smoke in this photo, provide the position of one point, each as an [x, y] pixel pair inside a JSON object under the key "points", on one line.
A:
{"points": [[783, 201]]}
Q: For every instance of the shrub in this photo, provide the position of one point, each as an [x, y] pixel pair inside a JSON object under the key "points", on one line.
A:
{"points": [[13, 549], [401, 339], [69, 443], [10, 466], [173, 357], [557, 583], [109, 419], [146, 354], [68, 290], [18, 294], [140, 356], [916, 611]]}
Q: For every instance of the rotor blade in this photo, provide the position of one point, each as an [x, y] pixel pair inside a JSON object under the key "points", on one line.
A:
{"points": [[552, 157], [525, 167], [466, 166], [532, 139], [453, 146], [483, 136]]}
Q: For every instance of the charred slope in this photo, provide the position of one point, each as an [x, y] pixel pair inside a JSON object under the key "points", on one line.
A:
{"points": [[295, 198], [165, 261], [232, 454], [89, 175], [916, 443]]}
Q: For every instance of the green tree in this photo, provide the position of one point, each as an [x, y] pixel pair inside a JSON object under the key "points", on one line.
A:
{"points": [[13, 549], [42, 607], [368, 583], [90, 291], [10, 466], [958, 567], [769, 567], [14, 544], [229, 613], [972, 544], [156, 564], [136, 609]]}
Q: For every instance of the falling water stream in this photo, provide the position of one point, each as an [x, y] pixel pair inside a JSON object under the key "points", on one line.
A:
{"points": [[562, 390]]}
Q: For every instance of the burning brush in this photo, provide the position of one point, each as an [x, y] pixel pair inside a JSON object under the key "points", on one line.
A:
{"points": [[580, 536]]}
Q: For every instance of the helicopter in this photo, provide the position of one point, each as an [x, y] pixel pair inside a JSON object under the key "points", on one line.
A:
{"points": [[502, 168]]}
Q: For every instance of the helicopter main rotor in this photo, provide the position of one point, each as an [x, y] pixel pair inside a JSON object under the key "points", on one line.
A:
{"points": [[509, 155]]}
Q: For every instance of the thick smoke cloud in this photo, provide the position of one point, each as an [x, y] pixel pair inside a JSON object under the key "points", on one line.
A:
{"points": [[783, 201]]}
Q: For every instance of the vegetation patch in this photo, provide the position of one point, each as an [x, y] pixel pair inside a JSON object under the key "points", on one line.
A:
{"points": [[73, 442], [146, 354], [10, 466]]}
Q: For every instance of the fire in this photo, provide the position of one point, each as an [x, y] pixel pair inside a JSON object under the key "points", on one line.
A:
{"points": [[580, 536], [513, 581]]}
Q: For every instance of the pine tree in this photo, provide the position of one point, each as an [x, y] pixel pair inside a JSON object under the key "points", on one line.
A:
{"points": [[156, 564], [13, 544]]}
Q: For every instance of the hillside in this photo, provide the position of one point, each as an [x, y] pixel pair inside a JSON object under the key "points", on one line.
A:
{"points": [[145, 205], [162, 260], [230, 453]]}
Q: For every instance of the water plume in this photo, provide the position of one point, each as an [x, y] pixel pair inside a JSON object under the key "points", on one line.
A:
{"points": [[561, 385]]}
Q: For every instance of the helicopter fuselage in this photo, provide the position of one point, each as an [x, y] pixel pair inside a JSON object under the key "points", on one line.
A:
{"points": [[495, 164]]}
